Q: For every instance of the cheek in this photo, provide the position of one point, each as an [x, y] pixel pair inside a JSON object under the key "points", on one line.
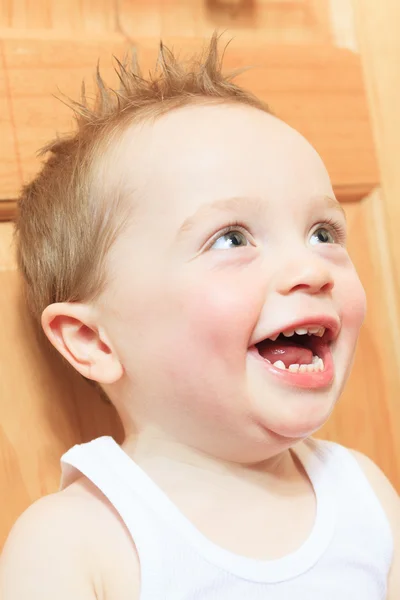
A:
{"points": [[223, 311], [353, 303]]}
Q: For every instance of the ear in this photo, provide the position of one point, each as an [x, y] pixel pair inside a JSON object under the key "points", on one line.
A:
{"points": [[72, 330]]}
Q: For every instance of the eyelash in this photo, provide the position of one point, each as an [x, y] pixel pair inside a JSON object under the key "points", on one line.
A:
{"points": [[336, 227], [233, 226]]}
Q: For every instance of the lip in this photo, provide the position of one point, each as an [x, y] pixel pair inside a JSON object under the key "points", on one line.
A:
{"points": [[314, 380], [331, 325]]}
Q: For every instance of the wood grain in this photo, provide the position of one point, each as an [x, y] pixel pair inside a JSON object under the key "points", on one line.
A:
{"points": [[71, 15], [277, 21], [10, 171], [320, 94], [377, 28]]}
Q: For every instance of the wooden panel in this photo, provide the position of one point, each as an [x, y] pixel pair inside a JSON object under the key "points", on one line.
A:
{"points": [[320, 94], [10, 174], [279, 21], [35, 71], [73, 15], [379, 43]]}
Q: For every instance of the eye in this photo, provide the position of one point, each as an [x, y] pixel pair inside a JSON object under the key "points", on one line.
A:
{"points": [[328, 233], [322, 235], [231, 238]]}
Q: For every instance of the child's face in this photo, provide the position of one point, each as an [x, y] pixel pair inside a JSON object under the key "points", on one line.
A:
{"points": [[187, 301]]}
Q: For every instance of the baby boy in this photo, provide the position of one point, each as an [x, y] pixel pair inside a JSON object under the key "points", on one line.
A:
{"points": [[184, 250]]}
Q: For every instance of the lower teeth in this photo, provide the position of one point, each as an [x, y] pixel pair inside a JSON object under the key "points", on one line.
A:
{"points": [[316, 366]]}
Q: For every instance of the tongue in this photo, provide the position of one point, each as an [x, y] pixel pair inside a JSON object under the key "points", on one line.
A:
{"points": [[287, 351]]}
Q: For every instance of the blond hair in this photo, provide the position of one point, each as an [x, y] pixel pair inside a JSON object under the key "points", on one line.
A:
{"points": [[66, 224]]}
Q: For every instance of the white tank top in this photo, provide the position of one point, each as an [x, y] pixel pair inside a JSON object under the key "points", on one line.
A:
{"points": [[347, 555]]}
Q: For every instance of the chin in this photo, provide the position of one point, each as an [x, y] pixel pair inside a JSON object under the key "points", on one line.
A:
{"points": [[297, 418]]}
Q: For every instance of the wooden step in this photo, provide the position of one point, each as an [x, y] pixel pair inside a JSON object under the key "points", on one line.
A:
{"points": [[319, 90]]}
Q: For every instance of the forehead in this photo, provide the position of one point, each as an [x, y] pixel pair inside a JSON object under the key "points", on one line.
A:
{"points": [[200, 153]]}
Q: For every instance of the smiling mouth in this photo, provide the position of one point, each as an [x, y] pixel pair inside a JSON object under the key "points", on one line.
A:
{"points": [[295, 350], [300, 356]]}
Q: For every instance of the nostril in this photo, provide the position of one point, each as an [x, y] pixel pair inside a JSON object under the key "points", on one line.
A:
{"points": [[303, 287], [313, 287], [327, 287]]}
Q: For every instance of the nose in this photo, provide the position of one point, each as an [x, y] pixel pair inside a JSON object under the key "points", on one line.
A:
{"points": [[310, 275]]}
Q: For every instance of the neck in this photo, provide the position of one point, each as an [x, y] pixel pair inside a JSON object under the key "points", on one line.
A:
{"points": [[162, 457]]}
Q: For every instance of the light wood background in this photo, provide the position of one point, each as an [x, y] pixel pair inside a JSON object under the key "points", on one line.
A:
{"points": [[330, 68]]}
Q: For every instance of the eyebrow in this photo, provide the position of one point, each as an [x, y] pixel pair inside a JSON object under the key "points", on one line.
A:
{"points": [[257, 205], [330, 202]]}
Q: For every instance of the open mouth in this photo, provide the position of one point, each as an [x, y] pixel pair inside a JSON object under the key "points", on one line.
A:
{"points": [[296, 350], [300, 355]]}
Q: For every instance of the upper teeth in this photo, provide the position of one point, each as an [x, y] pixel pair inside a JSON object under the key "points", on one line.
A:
{"points": [[313, 330]]}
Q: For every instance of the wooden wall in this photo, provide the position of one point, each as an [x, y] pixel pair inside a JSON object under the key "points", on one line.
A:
{"points": [[286, 21], [332, 72]]}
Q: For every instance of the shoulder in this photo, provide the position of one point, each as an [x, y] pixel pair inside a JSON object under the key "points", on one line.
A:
{"points": [[45, 546], [65, 544], [381, 485], [384, 492], [391, 505]]}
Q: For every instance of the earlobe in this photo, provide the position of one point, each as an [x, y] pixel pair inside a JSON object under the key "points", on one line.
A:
{"points": [[71, 330]]}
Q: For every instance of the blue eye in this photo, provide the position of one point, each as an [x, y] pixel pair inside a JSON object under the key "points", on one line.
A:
{"points": [[322, 235], [230, 239]]}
